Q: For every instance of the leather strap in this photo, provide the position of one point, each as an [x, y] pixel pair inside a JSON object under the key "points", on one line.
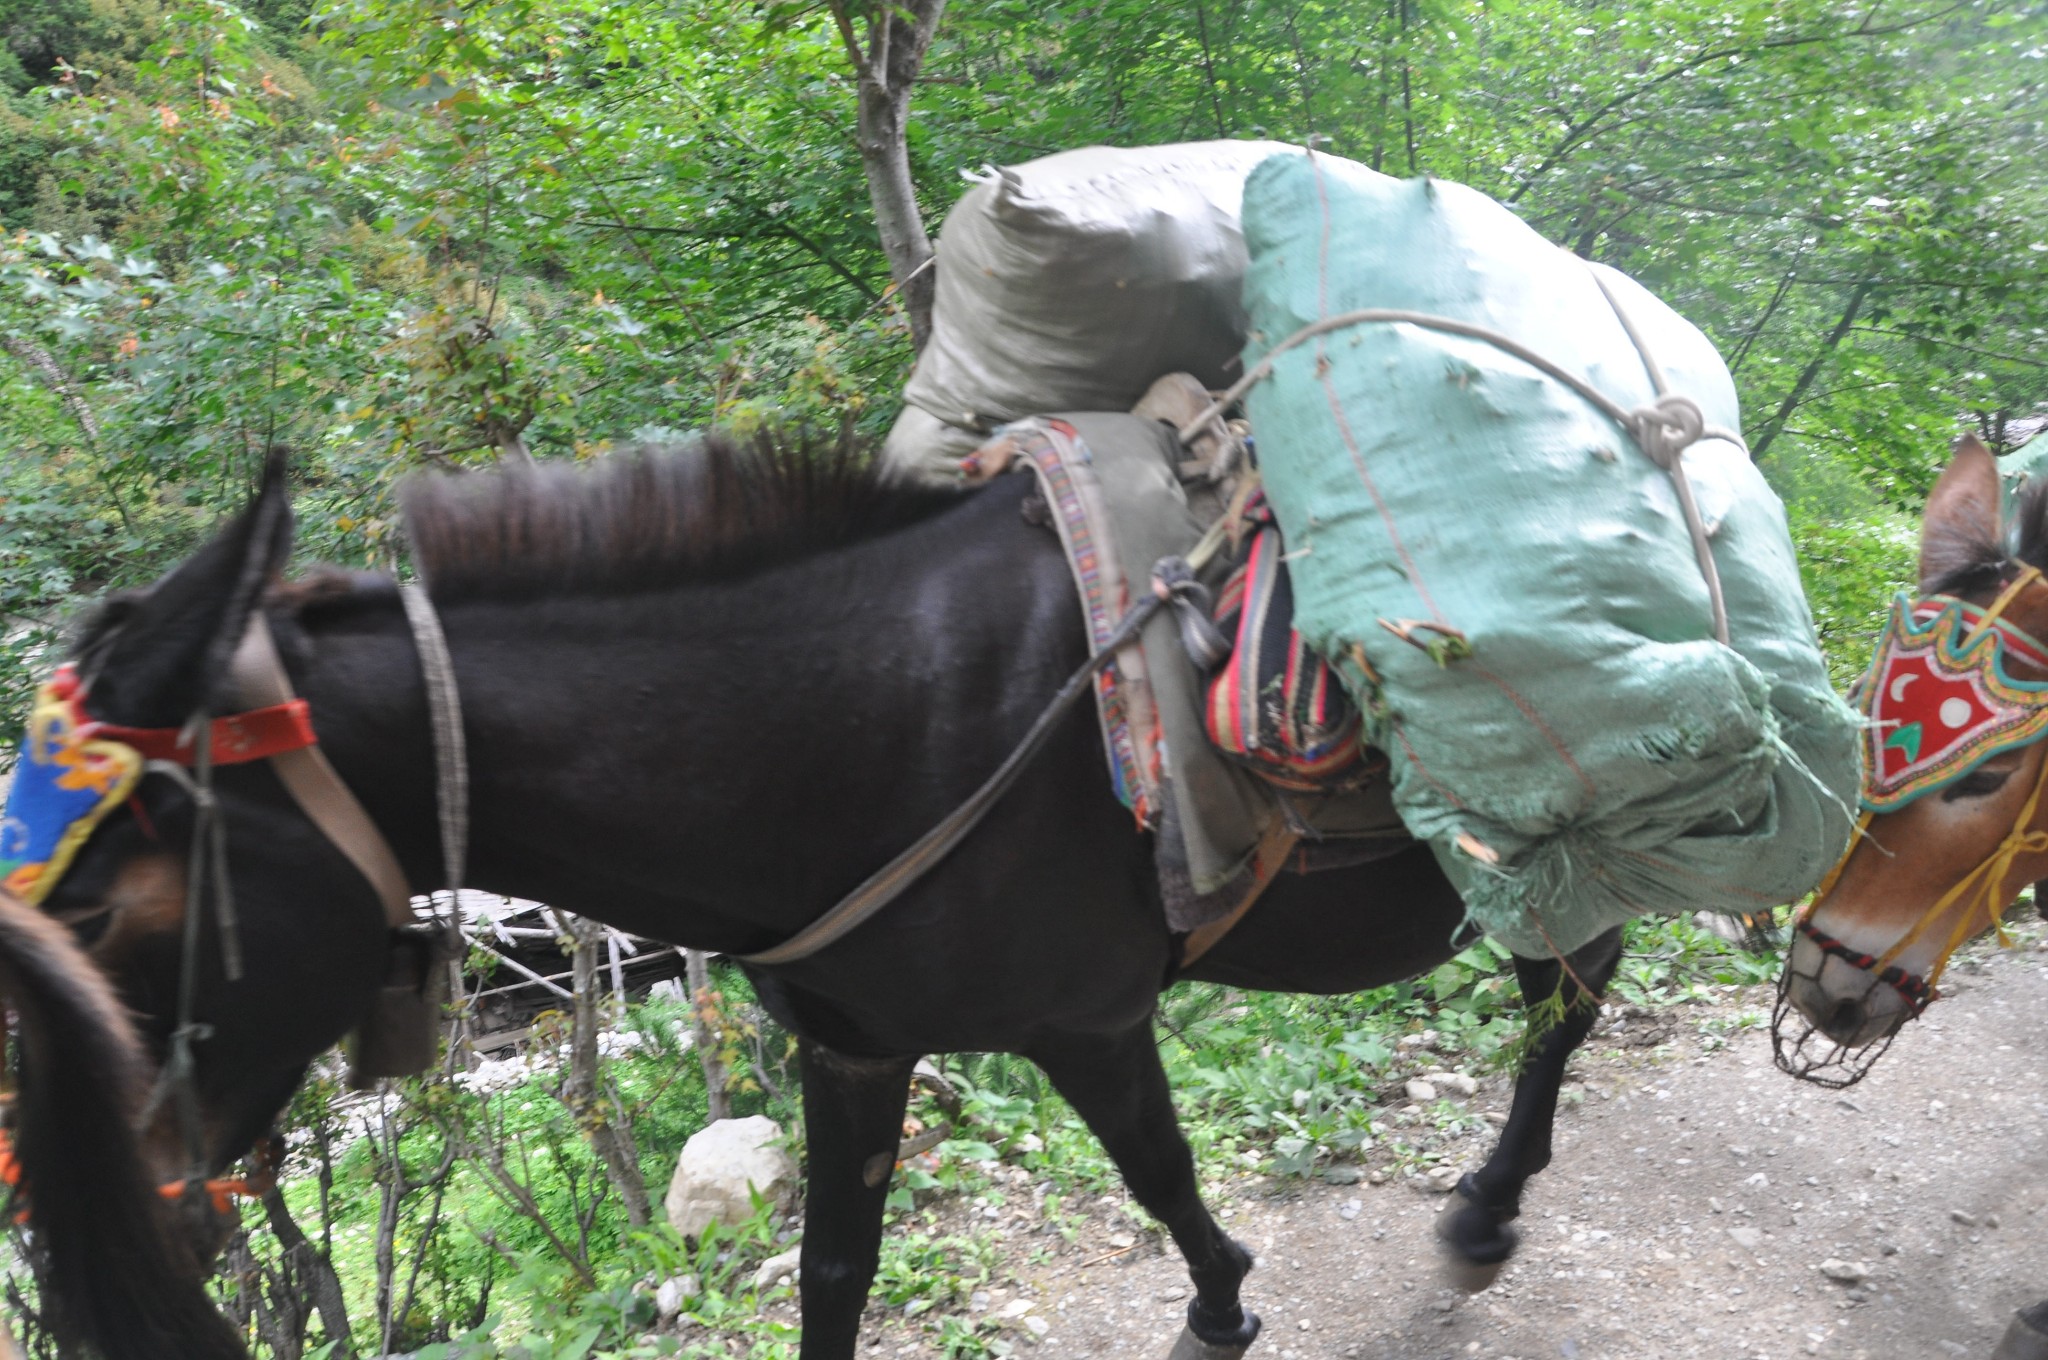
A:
{"points": [[896, 877], [451, 751], [238, 738], [312, 781]]}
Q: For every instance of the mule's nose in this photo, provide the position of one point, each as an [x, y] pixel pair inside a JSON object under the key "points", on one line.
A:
{"points": [[206, 1231], [1844, 1021], [1839, 1000]]}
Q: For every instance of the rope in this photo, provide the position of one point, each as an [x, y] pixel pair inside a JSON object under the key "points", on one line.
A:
{"points": [[1663, 428], [896, 877], [2028, 575], [2023, 839], [451, 756]]}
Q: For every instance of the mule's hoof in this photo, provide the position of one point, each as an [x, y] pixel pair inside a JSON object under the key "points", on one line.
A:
{"points": [[1230, 1345], [2024, 1340], [1475, 1244], [1470, 1277]]}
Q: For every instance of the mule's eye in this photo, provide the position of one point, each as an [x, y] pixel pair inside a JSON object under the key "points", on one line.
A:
{"points": [[1976, 784]]}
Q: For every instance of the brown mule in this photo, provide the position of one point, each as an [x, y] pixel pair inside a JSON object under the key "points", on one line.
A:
{"points": [[1945, 863], [1867, 955]]}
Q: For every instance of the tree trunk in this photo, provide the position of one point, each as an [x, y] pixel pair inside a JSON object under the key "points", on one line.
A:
{"points": [[1812, 370], [310, 1264], [603, 1123], [394, 1188], [898, 36], [697, 972]]}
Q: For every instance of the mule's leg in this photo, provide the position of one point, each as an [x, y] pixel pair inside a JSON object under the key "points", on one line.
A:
{"points": [[2027, 1337], [1474, 1226], [853, 1121], [1117, 1085]]}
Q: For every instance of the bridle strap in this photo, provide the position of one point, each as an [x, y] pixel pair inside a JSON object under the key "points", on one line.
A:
{"points": [[2028, 575], [313, 783], [1989, 878], [1918, 993], [451, 754], [237, 739]]}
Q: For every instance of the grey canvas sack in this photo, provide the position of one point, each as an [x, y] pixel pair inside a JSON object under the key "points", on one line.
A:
{"points": [[1071, 283]]}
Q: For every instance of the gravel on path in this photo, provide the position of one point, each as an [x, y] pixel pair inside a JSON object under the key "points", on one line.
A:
{"points": [[1701, 1204]]}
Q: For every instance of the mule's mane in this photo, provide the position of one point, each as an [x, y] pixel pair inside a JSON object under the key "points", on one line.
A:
{"points": [[1980, 566], [650, 516]]}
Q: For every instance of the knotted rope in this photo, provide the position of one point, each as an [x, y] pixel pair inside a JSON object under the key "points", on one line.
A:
{"points": [[1663, 428]]}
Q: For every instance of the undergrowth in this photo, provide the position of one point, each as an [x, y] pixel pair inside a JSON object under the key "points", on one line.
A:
{"points": [[1267, 1085]]}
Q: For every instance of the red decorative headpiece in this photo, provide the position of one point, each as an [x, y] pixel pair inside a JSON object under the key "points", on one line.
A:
{"points": [[1939, 699]]}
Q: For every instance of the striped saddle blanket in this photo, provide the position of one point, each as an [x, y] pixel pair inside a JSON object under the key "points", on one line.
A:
{"points": [[1274, 705], [1214, 760]]}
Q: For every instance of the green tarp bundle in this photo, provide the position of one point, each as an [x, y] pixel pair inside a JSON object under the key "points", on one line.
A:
{"points": [[1563, 726]]}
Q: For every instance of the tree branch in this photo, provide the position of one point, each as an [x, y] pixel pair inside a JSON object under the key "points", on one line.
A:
{"points": [[1810, 372], [886, 77], [1588, 127], [1953, 344]]}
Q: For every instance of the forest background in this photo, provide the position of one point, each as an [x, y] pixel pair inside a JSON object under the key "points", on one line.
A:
{"points": [[395, 233]]}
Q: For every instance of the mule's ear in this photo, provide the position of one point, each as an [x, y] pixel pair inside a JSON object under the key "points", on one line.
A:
{"points": [[158, 657], [1961, 529]]}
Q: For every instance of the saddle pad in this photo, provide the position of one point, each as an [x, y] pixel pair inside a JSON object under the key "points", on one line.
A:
{"points": [[1113, 495]]}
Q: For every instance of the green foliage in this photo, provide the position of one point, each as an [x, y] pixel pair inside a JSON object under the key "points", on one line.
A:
{"points": [[388, 234]]}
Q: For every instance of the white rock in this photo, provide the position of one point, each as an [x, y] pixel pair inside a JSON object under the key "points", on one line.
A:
{"points": [[1749, 1239], [719, 1164], [1016, 1308], [776, 1267], [1457, 1083], [1443, 1179], [673, 1294], [1037, 1326], [1845, 1272], [1420, 1091]]}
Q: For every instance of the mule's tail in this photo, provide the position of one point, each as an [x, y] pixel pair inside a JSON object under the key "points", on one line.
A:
{"points": [[120, 1283]]}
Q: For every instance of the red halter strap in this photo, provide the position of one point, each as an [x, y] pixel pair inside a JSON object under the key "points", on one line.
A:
{"points": [[238, 738], [263, 1162]]}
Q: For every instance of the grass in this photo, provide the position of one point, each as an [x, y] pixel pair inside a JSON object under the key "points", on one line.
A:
{"points": [[1267, 1085]]}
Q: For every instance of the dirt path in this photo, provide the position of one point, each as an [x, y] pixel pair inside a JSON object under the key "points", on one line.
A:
{"points": [[1695, 1193]]}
